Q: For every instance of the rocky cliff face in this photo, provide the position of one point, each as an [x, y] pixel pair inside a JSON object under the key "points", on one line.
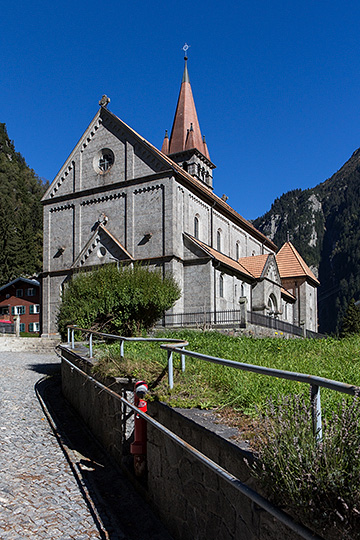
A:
{"points": [[323, 224]]}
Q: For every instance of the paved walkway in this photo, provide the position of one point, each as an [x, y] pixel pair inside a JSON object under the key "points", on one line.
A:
{"points": [[48, 490]]}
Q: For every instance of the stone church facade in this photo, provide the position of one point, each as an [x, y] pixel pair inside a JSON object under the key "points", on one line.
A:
{"points": [[118, 198]]}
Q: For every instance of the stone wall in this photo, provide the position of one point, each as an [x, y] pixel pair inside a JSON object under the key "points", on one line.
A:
{"points": [[191, 500], [21, 344]]}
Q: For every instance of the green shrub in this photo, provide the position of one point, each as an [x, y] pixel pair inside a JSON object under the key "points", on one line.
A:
{"points": [[125, 301], [319, 483]]}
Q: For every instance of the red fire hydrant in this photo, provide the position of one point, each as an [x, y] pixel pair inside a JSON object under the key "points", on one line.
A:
{"points": [[138, 447]]}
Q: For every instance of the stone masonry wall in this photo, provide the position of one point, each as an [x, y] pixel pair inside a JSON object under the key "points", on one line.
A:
{"points": [[191, 500]]}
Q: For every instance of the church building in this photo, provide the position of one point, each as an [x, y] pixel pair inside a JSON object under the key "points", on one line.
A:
{"points": [[117, 198]]}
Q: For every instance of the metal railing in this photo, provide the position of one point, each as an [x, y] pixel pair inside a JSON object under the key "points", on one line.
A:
{"points": [[260, 319], [233, 316], [71, 329], [315, 382], [299, 529]]}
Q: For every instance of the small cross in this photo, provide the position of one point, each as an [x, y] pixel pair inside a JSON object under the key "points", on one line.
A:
{"points": [[185, 48]]}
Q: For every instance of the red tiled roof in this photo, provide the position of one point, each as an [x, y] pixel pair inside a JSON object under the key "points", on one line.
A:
{"points": [[255, 264], [292, 265], [214, 254]]}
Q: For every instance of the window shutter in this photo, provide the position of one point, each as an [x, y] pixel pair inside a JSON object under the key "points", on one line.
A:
{"points": [[13, 310], [31, 311], [31, 327]]}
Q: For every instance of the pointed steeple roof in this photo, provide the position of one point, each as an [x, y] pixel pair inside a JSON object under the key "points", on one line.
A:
{"points": [[292, 265], [165, 145], [185, 133]]}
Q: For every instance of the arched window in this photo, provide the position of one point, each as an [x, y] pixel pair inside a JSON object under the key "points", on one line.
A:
{"points": [[237, 251], [185, 166], [196, 227], [221, 286], [242, 290], [218, 240], [272, 305]]}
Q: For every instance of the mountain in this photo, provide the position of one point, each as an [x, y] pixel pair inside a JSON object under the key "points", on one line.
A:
{"points": [[20, 214], [323, 223]]}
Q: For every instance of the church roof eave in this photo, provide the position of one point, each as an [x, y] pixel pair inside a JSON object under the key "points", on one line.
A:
{"points": [[220, 257], [67, 164]]}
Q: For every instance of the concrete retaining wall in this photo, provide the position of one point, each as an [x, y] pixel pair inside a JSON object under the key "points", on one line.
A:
{"points": [[21, 344], [192, 501]]}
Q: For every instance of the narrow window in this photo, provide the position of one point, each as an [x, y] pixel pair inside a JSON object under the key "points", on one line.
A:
{"points": [[196, 227], [221, 287], [237, 251], [218, 240]]}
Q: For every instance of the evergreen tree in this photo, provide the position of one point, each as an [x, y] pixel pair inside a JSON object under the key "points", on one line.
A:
{"points": [[20, 214], [351, 321]]}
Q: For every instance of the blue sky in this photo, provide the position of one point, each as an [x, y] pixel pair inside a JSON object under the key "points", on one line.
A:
{"points": [[276, 83]]}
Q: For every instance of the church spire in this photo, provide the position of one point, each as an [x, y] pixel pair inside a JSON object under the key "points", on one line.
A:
{"points": [[186, 146], [186, 121]]}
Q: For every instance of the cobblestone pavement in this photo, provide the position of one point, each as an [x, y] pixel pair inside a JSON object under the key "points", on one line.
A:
{"points": [[53, 491]]}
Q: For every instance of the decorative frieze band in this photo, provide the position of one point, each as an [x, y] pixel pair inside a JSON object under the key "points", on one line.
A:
{"points": [[103, 198], [198, 201], [148, 188], [62, 207], [66, 173]]}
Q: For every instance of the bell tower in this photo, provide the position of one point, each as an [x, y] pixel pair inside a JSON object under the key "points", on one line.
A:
{"points": [[186, 146]]}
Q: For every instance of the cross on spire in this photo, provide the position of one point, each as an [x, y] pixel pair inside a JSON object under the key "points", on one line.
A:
{"points": [[185, 49]]}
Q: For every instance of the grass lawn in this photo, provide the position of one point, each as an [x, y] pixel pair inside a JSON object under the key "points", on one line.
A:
{"points": [[206, 385]]}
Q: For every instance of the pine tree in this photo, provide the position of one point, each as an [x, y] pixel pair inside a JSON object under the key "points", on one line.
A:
{"points": [[20, 214], [351, 321]]}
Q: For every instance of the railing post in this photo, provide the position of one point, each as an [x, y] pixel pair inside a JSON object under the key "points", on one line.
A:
{"points": [[170, 369], [316, 411], [90, 345], [68, 334], [182, 360], [122, 349], [72, 338]]}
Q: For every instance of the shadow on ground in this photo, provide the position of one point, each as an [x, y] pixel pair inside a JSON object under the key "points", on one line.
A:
{"points": [[118, 510], [45, 369]]}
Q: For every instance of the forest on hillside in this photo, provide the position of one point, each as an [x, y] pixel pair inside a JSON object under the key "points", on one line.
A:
{"points": [[20, 214], [324, 225]]}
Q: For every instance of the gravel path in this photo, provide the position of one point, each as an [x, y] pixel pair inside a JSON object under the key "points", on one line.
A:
{"points": [[53, 491]]}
